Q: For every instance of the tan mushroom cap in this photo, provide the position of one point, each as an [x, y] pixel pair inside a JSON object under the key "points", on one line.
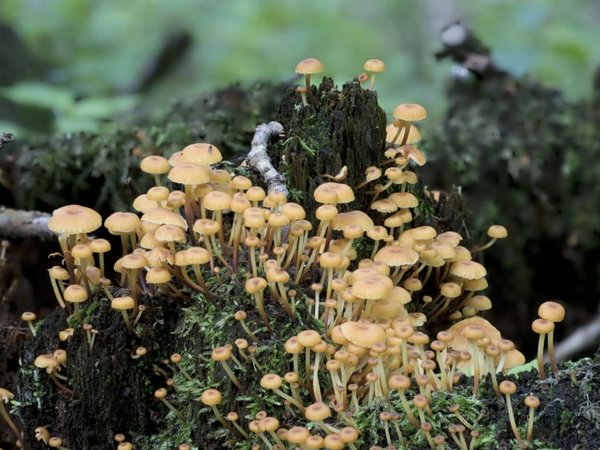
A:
{"points": [[216, 201], [410, 112], [158, 275], [271, 381], [479, 303], [100, 245], [170, 233], [46, 361], [211, 397], [469, 270], [552, 311], [372, 287], [75, 293], [497, 232], [164, 216], [122, 222], [193, 255], [255, 284], [308, 338], [413, 153], [374, 65], [241, 183], [150, 242], [363, 334], [202, 154], [142, 204], [74, 219], [155, 165], [317, 412], [133, 261], [451, 238], [423, 233], [6, 395], [400, 295], [297, 435], [391, 130], [157, 194], [404, 200], [122, 303], [395, 256], [309, 66], [189, 173], [359, 218], [58, 273]]}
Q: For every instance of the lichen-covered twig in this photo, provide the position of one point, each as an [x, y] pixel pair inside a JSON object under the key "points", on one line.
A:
{"points": [[259, 160], [15, 224]]}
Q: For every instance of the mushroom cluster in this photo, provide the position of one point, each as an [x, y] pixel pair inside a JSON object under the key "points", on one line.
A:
{"points": [[398, 315]]}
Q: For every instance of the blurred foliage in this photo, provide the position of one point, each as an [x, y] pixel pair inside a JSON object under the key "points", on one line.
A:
{"points": [[101, 169], [99, 49]]}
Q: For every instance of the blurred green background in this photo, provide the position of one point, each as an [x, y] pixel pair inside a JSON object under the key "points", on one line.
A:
{"points": [[84, 61]]}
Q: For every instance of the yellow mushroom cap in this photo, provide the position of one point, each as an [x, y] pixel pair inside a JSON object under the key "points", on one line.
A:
{"points": [[317, 412], [47, 361], [309, 66], [333, 442], [211, 397], [221, 353], [374, 65], [410, 112], [497, 232], [122, 303], [391, 130], [55, 442], [359, 218], [6, 395], [133, 261], [469, 270], [216, 201], [255, 284], [157, 194], [155, 165], [58, 273], [271, 381], [309, 338], [202, 154], [74, 219], [297, 435], [532, 401], [363, 334], [142, 204], [188, 173], [28, 316], [164, 216], [404, 200], [396, 256], [75, 293], [122, 222], [100, 246], [372, 287], [451, 238], [508, 387], [125, 446], [552, 311], [542, 326], [241, 183], [170, 233], [344, 193]]}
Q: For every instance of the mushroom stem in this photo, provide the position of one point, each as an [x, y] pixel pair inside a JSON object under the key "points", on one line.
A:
{"points": [[513, 424], [220, 417], [551, 355], [290, 399], [172, 408], [9, 421], [58, 384], [232, 375], [127, 322], [540, 356]]}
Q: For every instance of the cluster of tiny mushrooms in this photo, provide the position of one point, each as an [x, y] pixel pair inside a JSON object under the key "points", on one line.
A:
{"points": [[369, 346]]}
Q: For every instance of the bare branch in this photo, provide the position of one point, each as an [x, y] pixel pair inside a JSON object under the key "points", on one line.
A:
{"points": [[15, 224], [259, 160]]}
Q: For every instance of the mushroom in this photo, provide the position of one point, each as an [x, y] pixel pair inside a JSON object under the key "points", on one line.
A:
{"points": [[308, 67]]}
